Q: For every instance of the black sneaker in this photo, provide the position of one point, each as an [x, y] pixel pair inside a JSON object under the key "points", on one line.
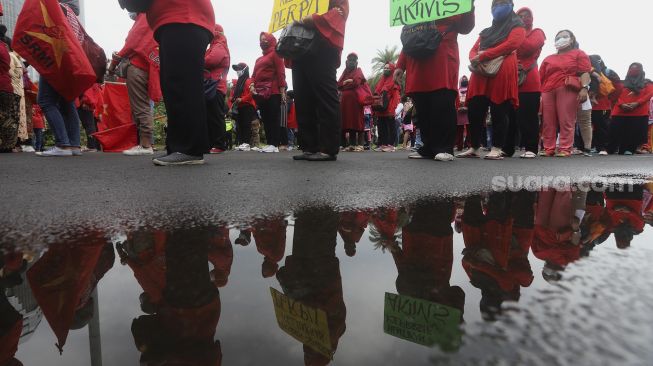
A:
{"points": [[302, 156], [178, 159], [321, 157]]}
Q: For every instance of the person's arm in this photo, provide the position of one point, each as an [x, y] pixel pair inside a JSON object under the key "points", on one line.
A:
{"points": [[466, 22], [280, 70], [509, 45], [533, 43], [543, 71], [584, 67], [473, 53]]}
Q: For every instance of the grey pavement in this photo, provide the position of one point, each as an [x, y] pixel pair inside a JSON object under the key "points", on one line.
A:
{"points": [[45, 199]]}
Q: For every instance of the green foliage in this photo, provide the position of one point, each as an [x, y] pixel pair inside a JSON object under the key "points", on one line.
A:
{"points": [[383, 57]]}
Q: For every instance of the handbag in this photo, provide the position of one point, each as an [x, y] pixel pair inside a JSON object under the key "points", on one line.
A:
{"points": [[136, 6], [522, 74], [364, 94], [296, 41], [380, 102], [573, 83], [489, 68], [421, 40], [263, 89], [210, 88]]}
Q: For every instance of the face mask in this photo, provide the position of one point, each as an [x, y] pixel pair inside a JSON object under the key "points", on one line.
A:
{"points": [[562, 43], [501, 12], [133, 16], [264, 45], [607, 71], [465, 83], [352, 65], [528, 21], [387, 72], [240, 73]]}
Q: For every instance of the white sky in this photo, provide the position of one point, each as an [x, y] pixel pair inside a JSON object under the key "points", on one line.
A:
{"points": [[619, 33]]}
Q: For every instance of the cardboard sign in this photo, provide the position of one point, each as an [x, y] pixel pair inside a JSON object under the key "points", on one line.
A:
{"points": [[285, 12], [306, 324], [406, 12], [422, 322]]}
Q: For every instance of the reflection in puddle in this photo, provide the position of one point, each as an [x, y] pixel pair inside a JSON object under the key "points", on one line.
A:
{"points": [[482, 279]]}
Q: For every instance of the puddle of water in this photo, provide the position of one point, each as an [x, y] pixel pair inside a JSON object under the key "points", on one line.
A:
{"points": [[551, 278]]}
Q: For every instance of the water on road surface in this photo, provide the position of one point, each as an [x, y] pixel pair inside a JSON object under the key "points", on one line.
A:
{"points": [[556, 277]]}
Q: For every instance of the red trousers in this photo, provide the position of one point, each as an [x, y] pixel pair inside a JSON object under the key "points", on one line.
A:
{"points": [[559, 108]]}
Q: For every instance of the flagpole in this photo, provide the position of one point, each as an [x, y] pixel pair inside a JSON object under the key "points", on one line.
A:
{"points": [[95, 341]]}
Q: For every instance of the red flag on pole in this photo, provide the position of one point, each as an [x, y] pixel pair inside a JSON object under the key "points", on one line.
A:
{"points": [[44, 38], [117, 131]]}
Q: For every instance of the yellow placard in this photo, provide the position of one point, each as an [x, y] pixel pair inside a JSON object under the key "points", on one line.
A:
{"points": [[306, 324], [285, 12]]}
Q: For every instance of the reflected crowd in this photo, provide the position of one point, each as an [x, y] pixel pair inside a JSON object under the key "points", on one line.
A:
{"points": [[181, 272]]}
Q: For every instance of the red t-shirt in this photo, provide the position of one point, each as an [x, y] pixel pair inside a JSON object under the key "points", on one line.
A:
{"points": [[5, 66], [627, 96], [528, 54], [216, 61], [557, 67], [420, 77], [198, 12], [270, 68], [139, 44]]}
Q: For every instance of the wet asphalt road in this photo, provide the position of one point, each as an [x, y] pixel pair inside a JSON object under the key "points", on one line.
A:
{"points": [[45, 198]]}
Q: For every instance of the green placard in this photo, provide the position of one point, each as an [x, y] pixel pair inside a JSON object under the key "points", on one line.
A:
{"points": [[406, 12], [422, 322]]}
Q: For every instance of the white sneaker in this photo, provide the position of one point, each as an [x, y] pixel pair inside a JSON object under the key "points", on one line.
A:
{"points": [[444, 157], [603, 153], [56, 152], [255, 148], [270, 149], [139, 151], [27, 149], [244, 147]]}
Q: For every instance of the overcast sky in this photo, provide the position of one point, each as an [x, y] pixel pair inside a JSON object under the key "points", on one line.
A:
{"points": [[617, 32]]}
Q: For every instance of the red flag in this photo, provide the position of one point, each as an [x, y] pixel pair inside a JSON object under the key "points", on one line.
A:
{"points": [[117, 111], [44, 38], [118, 139]]}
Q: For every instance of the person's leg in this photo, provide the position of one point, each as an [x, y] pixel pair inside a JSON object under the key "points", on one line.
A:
{"points": [[305, 104], [383, 129], [139, 101], [182, 48], [88, 122], [272, 119], [528, 120], [72, 123], [212, 123], [585, 124], [600, 130], [500, 119], [49, 101], [460, 135], [512, 135], [616, 135], [549, 121], [38, 139], [421, 101], [567, 107], [442, 107], [477, 113]]}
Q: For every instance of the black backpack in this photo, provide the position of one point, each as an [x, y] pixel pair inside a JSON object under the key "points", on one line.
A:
{"points": [[136, 6], [421, 40]]}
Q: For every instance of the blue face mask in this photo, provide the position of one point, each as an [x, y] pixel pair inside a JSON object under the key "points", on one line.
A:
{"points": [[501, 12]]}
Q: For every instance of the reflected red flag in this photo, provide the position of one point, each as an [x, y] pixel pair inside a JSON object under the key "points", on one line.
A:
{"points": [[44, 38]]}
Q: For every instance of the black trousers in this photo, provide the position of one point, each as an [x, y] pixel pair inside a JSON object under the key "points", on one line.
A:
{"points": [[601, 132], [182, 48], [387, 131], [246, 114], [316, 99], [500, 113], [438, 121], [215, 120], [526, 124], [271, 118], [90, 127], [628, 133]]}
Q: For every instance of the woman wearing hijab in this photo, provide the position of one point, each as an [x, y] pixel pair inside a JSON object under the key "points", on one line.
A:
{"points": [[270, 90], [244, 110], [601, 107], [434, 93], [530, 91], [138, 48], [389, 88], [316, 87], [560, 97], [501, 92], [217, 61], [183, 29], [352, 111], [629, 127], [463, 118]]}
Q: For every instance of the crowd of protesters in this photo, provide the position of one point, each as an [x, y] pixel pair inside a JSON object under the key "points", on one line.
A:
{"points": [[510, 105]]}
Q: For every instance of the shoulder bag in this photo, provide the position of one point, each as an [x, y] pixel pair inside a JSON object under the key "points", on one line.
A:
{"points": [[296, 41], [523, 73], [421, 40], [489, 68]]}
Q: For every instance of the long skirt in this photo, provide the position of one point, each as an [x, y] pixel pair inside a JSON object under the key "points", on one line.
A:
{"points": [[9, 120]]}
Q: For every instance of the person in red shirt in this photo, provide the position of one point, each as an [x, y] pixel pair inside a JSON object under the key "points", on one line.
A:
{"points": [[601, 107], [435, 93], [390, 89], [501, 92], [316, 87], [138, 49], [629, 127], [270, 92], [528, 119], [559, 100], [352, 111], [38, 124], [244, 108], [217, 61], [183, 29]]}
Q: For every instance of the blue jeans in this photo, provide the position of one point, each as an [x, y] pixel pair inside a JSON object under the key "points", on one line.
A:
{"points": [[38, 139], [61, 115]]}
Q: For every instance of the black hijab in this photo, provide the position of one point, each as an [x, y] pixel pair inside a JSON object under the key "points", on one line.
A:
{"points": [[636, 83], [240, 85], [499, 31], [597, 63]]}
